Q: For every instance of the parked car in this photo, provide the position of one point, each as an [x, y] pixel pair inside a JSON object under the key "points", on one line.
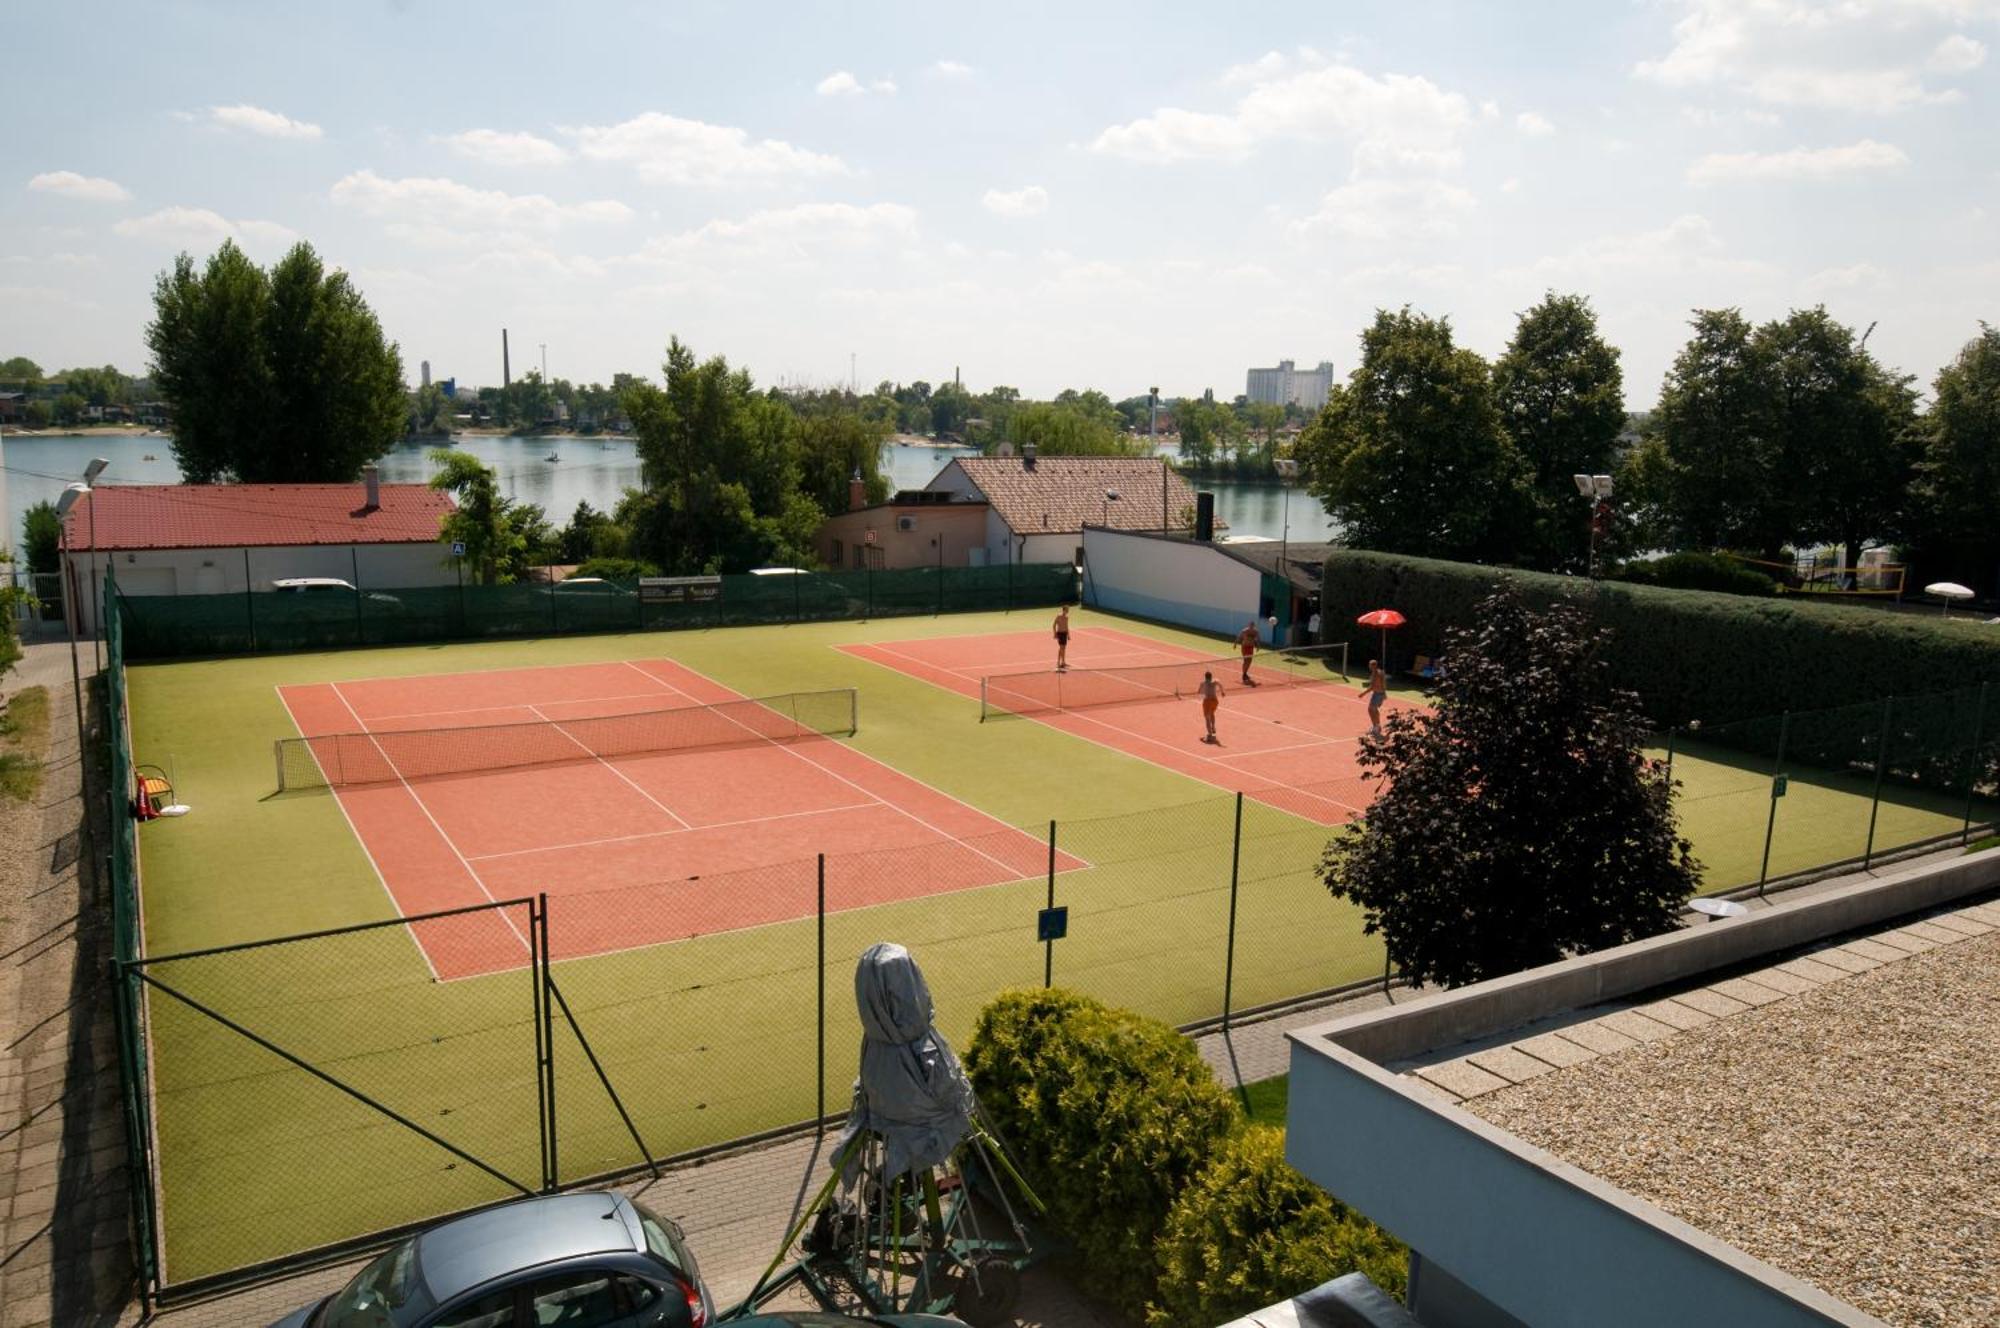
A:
{"points": [[326, 585], [590, 1260], [815, 1319]]}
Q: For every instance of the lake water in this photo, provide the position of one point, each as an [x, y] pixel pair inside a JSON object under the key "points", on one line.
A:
{"points": [[588, 469]]}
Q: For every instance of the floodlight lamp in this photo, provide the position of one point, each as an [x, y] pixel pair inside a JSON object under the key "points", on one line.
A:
{"points": [[1602, 484], [1288, 469], [69, 497], [94, 469], [1583, 485], [1112, 495]]}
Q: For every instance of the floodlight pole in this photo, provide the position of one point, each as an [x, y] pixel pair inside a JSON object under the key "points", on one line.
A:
{"points": [[70, 610], [90, 474]]}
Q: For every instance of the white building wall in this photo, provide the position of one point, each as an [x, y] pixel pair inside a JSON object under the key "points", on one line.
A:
{"points": [[223, 571], [1173, 581]]}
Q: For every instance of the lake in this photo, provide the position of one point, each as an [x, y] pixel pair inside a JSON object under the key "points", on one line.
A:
{"points": [[588, 469]]}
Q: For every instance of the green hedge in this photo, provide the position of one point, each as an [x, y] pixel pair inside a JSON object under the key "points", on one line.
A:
{"points": [[1109, 1114], [1250, 1231], [1699, 571], [1691, 655]]}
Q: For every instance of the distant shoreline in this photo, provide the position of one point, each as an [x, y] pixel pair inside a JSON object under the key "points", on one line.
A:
{"points": [[85, 431]]}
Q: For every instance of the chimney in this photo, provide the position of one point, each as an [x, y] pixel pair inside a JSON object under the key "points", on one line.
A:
{"points": [[857, 492], [1027, 456], [372, 479]]}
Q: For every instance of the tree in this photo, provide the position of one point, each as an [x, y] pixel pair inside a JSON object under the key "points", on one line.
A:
{"points": [[834, 446], [20, 372], [1562, 401], [1057, 430], [1409, 454], [69, 408], [1841, 429], [1521, 820], [99, 387], [273, 377], [38, 414], [41, 537], [1710, 476], [494, 542], [1952, 527], [431, 411]]}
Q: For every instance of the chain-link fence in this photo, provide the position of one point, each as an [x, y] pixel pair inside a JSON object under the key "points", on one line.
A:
{"points": [[163, 626]]}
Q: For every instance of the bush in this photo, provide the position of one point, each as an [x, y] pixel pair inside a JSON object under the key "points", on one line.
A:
{"points": [[1700, 571], [1250, 1231], [617, 569], [1690, 655], [1109, 1115]]}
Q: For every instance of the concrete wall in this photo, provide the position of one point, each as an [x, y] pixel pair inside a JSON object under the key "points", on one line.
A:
{"points": [[222, 571], [1175, 581], [962, 526], [1524, 1235]]}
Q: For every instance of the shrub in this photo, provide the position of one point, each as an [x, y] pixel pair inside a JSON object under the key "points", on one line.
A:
{"points": [[617, 569], [1109, 1115], [1689, 654], [1249, 1231], [1700, 571]]}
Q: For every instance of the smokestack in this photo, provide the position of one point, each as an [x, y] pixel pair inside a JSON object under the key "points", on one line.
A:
{"points": [[857, 493], [506, 370], [371, 479], [1027, 456]]}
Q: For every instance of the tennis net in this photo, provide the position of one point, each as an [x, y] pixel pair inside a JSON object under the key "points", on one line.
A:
{"points": [[335, 760], [1042, 691]]}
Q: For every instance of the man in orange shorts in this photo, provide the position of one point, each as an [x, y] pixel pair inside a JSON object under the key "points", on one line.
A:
{"points": [[1246, 641], [1210, 693]]}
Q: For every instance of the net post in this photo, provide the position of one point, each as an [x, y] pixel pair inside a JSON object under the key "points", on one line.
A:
{"points": [[1875, 797], [819, 1023], [278, 754], [546, 981], [1049, 946], [984, 684], [1771, 821], [1972, 763], [853, 711], [535, 996]]}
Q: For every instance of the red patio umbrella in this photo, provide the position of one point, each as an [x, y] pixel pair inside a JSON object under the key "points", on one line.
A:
{"points": [[1384, 619]]}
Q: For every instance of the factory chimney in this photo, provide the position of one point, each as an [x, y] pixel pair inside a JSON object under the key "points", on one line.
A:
{"points": [[506, 372]]}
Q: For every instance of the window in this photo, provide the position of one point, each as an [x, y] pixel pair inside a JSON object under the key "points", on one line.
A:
{"points": [[835, 560], [589, 1299], [494, 1310]]}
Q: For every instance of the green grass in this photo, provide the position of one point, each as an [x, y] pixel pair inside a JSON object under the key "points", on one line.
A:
{"points": [[24, 740], [713, 1037], [1268, 1098]]}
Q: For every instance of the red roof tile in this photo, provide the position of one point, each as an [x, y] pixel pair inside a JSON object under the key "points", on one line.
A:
{"points": [[227, 516], [1065, 493]]}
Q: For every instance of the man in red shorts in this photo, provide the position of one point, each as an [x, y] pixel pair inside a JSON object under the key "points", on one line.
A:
{"points": [[1246, 641]]}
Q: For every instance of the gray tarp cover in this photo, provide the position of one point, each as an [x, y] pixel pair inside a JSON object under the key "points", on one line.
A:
{"points": [[911, 1091]]}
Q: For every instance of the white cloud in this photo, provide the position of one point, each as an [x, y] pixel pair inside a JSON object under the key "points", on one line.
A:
{"points": [[1688, 244], [1957, 54], [1390, 209], [671, 150], [840, 83], [88, 188], [1534, 124], [257, 120], [1028, 201], [1393, 115], [1511, 185], [1847, 55], [951, 69], [774, 235], [1858, 276], [1797, 165], [1270, 65], [434, 201], [497, 147], [202, 228]]}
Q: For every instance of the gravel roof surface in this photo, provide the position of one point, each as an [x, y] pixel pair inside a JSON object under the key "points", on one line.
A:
{"points": [[1849, 1135]]}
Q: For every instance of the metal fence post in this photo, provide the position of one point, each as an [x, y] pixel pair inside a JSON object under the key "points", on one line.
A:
{"points": [[545, 981], [1875, 798], [354, 570], [1972, 762], [820, 969], [535, 998], [249, 602], [1229, 946], [1049, 946], [1771, 821]]}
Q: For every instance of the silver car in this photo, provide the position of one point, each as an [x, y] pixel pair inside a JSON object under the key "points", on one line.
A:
{"points": [[594, 1260]]}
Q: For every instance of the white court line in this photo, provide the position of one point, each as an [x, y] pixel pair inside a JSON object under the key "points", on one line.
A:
{"points": [[373, 865], [670, 834], [678, 819], [506, 915], [865, 792], [518, 705]]}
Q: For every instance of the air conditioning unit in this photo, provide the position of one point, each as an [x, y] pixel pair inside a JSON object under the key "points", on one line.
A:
{"points": [[906, 523]]}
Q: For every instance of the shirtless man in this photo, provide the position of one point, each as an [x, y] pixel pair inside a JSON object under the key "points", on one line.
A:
{"points": [[1210, 693], [1246, 641], [1062, 637]]}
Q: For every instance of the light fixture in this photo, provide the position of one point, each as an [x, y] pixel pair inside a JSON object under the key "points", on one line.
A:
{"points": [[94, 469]]}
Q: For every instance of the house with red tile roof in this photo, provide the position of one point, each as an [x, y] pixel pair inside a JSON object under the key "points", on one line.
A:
{"points": [[229, 539], [1037, 507]]}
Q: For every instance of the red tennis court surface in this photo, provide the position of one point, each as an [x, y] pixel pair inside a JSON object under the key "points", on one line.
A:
{"points": [[585, 831], [1293, 747]]}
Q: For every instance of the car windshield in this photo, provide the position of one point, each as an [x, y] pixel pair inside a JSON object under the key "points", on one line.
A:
{"points": [[386, 1294], [659, 1238]]}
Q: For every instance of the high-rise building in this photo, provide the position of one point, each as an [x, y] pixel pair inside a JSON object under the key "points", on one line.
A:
{"points": [[427, 374], [1288, 386]]}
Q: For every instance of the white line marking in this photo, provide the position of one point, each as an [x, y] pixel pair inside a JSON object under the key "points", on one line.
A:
{"points": [[352, 829], [517, 705], [506, 915], [866, 792], [580, 746], [669, 834]]}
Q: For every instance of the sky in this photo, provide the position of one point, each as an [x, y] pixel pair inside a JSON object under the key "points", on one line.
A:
{"points": [[1090, 195]]}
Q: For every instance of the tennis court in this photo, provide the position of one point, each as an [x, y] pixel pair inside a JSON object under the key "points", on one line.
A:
{"points": [[578, 780], [1290, 739]]}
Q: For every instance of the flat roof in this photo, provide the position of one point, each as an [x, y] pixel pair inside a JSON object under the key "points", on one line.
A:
{"points": [[1833, 1115]]}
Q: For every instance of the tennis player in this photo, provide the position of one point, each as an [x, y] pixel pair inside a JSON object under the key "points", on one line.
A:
{"points": [[1062, 637], [1210, 692], [1376, 691], [1246, 641]]}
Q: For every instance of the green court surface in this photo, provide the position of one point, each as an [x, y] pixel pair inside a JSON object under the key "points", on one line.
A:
{"points": [[713, 1037]]}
